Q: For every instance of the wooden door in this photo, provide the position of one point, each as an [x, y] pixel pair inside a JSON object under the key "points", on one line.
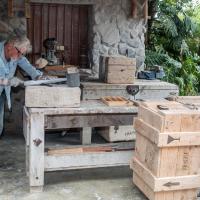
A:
{"points": [[67, 23]]}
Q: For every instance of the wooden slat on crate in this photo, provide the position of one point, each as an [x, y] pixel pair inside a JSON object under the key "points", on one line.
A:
{"points": [[121, 60], [167, 195], [167, 139], [123, 77], [176, 119], [166, 183]]}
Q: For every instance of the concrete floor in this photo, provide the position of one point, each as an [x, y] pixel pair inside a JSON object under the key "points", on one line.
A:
{"points": [[91, 184]]}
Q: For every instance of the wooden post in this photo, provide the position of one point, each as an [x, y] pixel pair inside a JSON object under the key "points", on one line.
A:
{"points": [[145, 11], [134, 9], [26, 132], [27, 9], [10, 8], [86, 135], [36, 152]]}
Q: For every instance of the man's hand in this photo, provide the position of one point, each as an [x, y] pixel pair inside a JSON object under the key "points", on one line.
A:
{"points": [[14, 82], [4, 81]]}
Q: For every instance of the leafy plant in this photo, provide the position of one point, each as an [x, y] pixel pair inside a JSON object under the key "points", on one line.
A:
{"points": [[170, 43]]}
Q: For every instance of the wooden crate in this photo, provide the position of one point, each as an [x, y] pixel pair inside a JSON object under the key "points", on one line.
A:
{"points": [[117, 133], [120, 70], [55, 96], [166, 164]]}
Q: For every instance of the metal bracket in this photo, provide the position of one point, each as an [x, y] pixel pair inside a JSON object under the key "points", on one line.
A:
{"points": [[132, 89], [37, 142]]}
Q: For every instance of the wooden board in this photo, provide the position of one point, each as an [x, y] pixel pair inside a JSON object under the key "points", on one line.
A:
{"points": [[63, 151], [116, 101], [190, 194], [87, 120], [151, 89]]}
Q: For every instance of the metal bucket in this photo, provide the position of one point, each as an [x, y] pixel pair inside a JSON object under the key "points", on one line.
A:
{"points": [[73, 79]]}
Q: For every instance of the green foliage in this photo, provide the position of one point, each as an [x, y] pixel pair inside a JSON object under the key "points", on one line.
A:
{"points": [[172, 45], [186, 77]]}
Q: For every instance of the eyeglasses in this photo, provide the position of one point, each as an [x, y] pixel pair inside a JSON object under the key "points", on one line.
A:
{"points": [[19, 52]]}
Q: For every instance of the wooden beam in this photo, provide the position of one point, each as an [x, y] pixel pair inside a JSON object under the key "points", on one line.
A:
{"points": [[134, 9]]}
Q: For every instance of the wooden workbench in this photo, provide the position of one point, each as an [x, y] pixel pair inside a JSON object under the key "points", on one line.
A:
{"points": [[91, 113]]}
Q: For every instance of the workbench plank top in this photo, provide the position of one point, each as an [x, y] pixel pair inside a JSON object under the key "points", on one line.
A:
{"points": [[86, 107]]}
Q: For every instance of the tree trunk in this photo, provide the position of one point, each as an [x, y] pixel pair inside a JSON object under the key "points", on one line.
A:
{"points": [[153, 7]]}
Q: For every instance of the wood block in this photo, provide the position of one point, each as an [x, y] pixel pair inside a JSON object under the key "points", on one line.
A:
{"points": [[55, 96], [117, 133], [116, 101], [120, 70]]}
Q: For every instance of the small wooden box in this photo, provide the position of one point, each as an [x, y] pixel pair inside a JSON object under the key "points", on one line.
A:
{"points": [[117, 133], [55, 96], [166, 164], [120, 70]]}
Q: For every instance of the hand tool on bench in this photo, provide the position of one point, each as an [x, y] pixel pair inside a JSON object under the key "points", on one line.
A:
{"points": [[44, 82]]}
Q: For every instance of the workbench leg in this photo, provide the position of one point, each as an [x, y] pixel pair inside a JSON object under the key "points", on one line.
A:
{"points": [[26, 132], [27, 159], [36, 152], [86, 135]]}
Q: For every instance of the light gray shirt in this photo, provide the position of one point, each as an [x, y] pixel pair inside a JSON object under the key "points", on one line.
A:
{"points": [[8, 68]]}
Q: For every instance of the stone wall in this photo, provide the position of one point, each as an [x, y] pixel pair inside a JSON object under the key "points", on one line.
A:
{"points": [[11, 25], [115, 32]]}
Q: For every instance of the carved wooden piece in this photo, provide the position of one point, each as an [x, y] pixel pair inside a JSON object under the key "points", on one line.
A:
{"points": [[116, 101]]}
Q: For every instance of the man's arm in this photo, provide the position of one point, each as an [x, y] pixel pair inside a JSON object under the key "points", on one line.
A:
{"points": [[28, 68]]}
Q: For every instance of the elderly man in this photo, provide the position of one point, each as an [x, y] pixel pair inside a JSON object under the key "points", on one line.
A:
{"points": [[12, 54]]}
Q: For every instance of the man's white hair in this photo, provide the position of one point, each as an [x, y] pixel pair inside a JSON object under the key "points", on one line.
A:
{"points": [[21, 42]]}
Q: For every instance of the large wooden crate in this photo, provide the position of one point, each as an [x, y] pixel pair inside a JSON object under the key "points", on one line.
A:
{"points": [[55, 96], [120, 69], [166, 163]]}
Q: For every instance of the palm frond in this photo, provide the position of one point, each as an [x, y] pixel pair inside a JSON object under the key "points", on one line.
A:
{"points": [[169, 27]]}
